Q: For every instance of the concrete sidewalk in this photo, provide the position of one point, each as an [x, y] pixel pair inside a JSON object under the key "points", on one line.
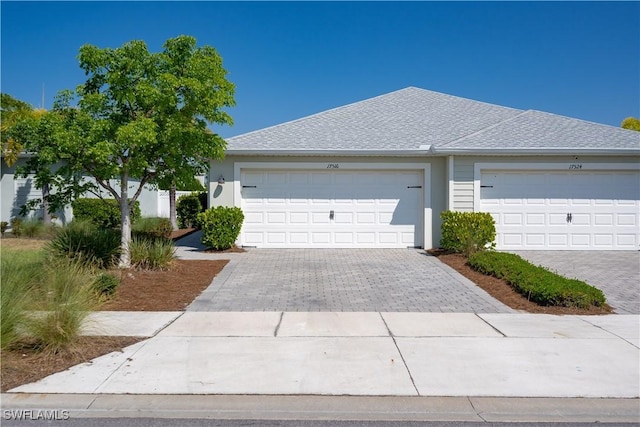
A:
{"points": [[363, 354]]}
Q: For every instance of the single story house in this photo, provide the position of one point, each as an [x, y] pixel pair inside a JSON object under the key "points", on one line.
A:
{"points": [[378, 173]]}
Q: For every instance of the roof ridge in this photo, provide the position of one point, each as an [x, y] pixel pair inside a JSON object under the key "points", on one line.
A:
{"points": [[521, 113], [322, 112], [584, 121]]}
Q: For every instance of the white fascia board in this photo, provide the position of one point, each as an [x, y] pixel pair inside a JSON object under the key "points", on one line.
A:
{"points": [[537, 151], [279, 152]]}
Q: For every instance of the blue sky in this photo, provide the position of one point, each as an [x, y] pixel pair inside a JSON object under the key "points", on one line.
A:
{"points": [[292, 59]]}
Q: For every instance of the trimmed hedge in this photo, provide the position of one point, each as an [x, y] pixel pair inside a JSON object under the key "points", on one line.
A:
{"points": [[104, 213], [537, 283], [467, 232], [220, 226]]}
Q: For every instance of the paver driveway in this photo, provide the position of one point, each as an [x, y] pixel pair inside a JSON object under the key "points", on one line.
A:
{"points": [[342, 280], [616, 273]]}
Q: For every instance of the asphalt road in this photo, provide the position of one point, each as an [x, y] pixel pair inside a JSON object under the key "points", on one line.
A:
{"points": [[182, 422]]}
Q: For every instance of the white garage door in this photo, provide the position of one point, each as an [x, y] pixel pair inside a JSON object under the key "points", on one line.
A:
{"points": [[332, 209], [563, 210]]}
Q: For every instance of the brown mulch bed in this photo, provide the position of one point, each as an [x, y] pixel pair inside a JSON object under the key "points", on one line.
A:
{"points": [[23, 366], [171, 290], [500, 289]]}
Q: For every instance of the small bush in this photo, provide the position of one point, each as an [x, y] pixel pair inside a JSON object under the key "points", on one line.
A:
{"points": [[3, 227], [221, 226], [467, 232], [16, 226], [104, 213], [84, 241], [19, 273], [537, 283], [188, 207], [67, 297], [151, 254], [34, 228], [152, 228], [105, 284]]}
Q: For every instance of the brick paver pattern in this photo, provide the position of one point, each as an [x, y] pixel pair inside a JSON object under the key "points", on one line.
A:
{"points": [[342, 280]]}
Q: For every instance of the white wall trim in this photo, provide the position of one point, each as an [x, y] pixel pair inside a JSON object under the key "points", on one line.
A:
{"points": [[569, 167], [425, 168]]}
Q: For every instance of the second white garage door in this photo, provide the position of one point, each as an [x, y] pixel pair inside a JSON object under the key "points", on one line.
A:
{"points": [[597, 210], [331, 209]]}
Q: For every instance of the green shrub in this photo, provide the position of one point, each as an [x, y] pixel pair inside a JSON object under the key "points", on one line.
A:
{"points": [[152, 228], [85, 241], [20, 271], [188, 207], [467, 232], [151, 254], [35, 228], [3, 227], [16, 226], [105, 284], [220, 226], [66, 297], [537, 283], [104, 213]]}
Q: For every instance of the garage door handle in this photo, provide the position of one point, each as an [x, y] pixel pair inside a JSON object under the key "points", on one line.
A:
{"points": [[486, 186], [249, 186], [331, 214], [414, 186], [569, 217]]}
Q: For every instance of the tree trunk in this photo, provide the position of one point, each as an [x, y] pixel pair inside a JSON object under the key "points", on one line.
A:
{"points": [[125, 223], [172, 206], [46, 215]]}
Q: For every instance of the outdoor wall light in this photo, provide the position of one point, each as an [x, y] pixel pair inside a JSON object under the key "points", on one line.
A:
{"points": [[221, 180]]}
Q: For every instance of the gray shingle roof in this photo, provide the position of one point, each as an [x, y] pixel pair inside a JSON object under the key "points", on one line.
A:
{"points": [[545, 131], [411, 118]]}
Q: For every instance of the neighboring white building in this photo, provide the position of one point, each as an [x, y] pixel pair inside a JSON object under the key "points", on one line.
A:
{"points": [[379, 172], [15, 192]]}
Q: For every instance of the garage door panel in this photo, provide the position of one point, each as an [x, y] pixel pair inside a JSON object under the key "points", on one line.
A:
{"points": [[558, 240], [603, 240], [253, 218], [276, 218], [332, 208], [299, 238], [320, 238], [604, 209], [511, 239], [320, 218], [627, 219], [603, 219], [299, 218], [343, 218], [535, 219]]}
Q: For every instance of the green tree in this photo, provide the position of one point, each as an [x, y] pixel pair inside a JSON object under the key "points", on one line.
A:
{"points": [[12, 111], [39, 135], [631, 123], [144, 116]]}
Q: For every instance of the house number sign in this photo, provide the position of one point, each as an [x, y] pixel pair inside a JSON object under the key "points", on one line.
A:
{"points": [[333, 166], [575, 166]]}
